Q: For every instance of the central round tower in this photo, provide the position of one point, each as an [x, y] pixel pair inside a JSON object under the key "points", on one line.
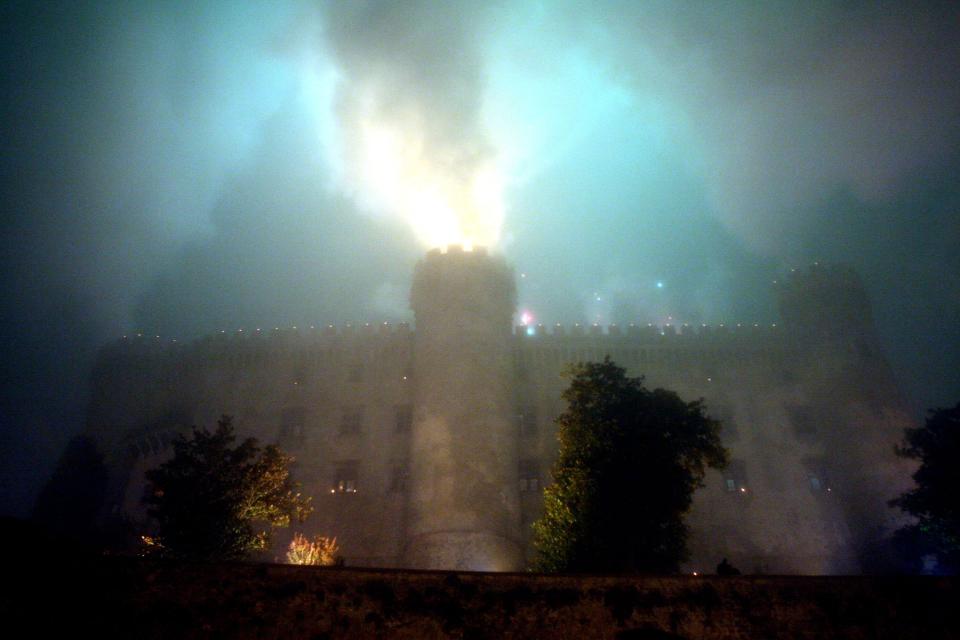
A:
{"points": [[463, 506]]}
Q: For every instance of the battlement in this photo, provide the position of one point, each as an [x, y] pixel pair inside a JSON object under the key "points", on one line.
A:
{"points": [[356, 334], [309, 333], [649, 332], [454, 250]]}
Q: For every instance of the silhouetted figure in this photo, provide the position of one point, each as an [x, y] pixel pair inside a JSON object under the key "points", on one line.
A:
{"points": [[727, 569]]}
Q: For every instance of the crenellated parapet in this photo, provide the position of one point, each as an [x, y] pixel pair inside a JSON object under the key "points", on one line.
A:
{"points": [[739, 333], [370, 336], [346, 330], [279, 339]]}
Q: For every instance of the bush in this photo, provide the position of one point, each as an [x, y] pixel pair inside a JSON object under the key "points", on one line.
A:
{"points": [[321, 551]]}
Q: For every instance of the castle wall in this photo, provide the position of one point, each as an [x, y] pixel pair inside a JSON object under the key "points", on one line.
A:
{"points": [[376, 417], [338, 400]]}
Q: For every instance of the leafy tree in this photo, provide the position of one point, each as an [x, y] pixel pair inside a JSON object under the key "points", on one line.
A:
{"points": [[69, 503], [628, 464], [214, 501], [935, 500]]}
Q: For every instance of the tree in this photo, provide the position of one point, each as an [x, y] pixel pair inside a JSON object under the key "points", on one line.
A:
{"points": [[213, 501], [935, 500], [628, 464], [69, 503]]}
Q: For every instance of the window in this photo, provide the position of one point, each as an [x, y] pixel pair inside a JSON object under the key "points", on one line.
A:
{"points": [[522, 372], [818, 481], [735, 478], [399, 478], [356, 372], [803, 419], [404, 418], [527, 422], [529, 476], [728, 425], [292, 420], [351, 421], [345, 478]]}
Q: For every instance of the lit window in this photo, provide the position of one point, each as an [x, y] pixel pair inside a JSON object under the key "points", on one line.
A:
{"points": [[735, 478], [529, 476], [818, 480], [345, 478]]}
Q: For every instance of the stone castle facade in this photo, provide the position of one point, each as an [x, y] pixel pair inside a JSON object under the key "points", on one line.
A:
{"points": [[430, 448]]}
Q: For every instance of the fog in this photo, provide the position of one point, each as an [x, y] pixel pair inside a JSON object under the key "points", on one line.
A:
{"points": [[182, 169]]}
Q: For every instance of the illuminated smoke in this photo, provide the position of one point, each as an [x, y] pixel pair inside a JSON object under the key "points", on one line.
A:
{"points": [[408, 104]]}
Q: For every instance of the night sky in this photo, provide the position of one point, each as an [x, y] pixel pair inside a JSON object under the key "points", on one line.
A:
{"points": [[182, 168]]}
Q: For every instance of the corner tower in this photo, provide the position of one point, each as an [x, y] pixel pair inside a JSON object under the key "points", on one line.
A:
{"points": [[463, 510]]}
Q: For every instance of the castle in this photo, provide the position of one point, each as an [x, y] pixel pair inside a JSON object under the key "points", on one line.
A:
{"points": [[430, 448]]}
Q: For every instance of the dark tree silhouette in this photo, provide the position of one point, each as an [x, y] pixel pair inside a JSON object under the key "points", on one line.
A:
{"points": [[214, 501], [935, 500], [68, 505], [628, 464]]}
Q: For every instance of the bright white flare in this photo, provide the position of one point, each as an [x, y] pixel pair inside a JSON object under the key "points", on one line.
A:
{"points": [[444, 203]]}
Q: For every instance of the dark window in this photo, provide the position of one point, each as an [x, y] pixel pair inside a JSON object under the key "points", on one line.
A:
{"points": [[522, 373], [292, 421], [300, 377], [345, 477], [399, 478], [735, 478], [728, 425], [404, 418], [529, 476], [356, 372], [803, 419], [527, 422], [352, 421]]}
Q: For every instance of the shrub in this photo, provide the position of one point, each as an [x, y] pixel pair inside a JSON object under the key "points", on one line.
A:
{"points": [[320, 551]]}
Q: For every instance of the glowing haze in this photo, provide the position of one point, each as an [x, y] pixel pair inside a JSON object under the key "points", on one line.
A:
{"points": [[411, 141], [443, 201], [183, 168]]}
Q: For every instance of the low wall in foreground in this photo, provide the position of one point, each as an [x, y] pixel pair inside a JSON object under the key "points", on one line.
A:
{"points": [[122, 597]]}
